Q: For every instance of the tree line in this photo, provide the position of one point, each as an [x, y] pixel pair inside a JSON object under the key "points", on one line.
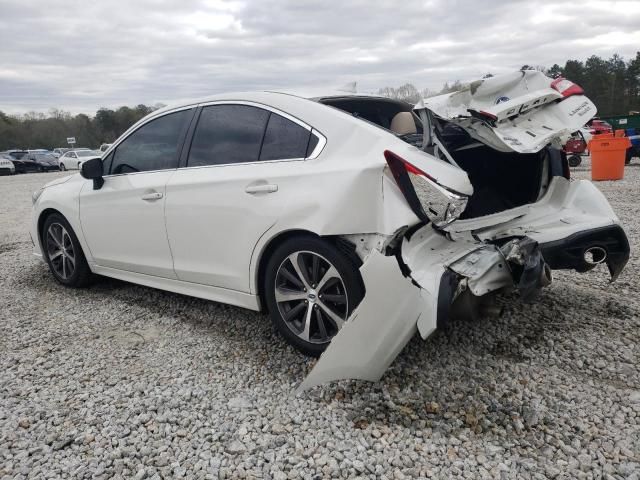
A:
{"points": [[39, 130], [612, 84]]}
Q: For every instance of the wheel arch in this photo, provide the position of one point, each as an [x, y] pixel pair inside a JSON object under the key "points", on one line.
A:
{"points": [[266, 253], [341, 245], [43, 217]]}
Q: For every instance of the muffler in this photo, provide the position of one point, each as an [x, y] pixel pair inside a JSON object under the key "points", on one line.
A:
{"points": [[594, 255]]}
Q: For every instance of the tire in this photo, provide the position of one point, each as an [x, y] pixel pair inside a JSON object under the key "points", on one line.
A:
{"points": [[575, 160], [56, 231], [308, 304], [628, 156], [62, 167]]}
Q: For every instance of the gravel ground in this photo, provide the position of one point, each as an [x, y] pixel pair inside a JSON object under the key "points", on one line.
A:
{"points": [[122, 381]]}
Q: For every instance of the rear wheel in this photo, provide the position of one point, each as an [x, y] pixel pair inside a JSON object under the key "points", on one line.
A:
{"points": [[575, 160], [311, 288], [63, 253]]}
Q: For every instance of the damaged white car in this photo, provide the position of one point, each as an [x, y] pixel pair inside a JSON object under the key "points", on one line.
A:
{"points": [[356, 221]]}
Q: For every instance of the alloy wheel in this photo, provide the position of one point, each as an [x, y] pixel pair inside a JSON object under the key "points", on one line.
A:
{"points": [[311, 296], [60, 251]]}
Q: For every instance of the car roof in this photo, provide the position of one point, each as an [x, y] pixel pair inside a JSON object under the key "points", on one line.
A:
{"points": [[263, 94]]}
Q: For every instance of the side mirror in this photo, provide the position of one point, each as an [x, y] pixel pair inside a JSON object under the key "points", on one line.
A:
{"points": [[92, 170]]}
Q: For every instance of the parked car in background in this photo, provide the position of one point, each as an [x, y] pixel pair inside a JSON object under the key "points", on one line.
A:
{"points": [[25, 165], [104, 147], [46, 161], [17, 154], [59, 151], [72, 159], [6, 165], [323, 211]]}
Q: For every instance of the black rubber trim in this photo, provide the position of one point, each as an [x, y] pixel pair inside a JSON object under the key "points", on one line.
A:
{"points": [[448, 285], [568, 253]]}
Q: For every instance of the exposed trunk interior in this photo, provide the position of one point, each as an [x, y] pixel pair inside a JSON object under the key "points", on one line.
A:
{"points": [[501, 180]]}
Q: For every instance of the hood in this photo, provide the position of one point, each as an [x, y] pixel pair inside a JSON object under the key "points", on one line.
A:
{"points": [[59, 181], [521, 112]]}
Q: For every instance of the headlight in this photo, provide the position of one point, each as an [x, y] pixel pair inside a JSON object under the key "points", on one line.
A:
{"points": [[36, 195]]}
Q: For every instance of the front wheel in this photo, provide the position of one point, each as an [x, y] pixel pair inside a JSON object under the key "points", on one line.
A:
{"points": [[62, 167], [63, 252], [311, 288]]}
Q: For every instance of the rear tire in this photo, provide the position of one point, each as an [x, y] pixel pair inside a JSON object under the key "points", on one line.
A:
{"points": [[575, 160], [63, 253], [310, 300]]}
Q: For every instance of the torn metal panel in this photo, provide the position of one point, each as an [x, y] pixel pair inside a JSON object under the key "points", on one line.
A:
{"points": [[377, 330], [485, 270], [429, 255], [529, 268]]}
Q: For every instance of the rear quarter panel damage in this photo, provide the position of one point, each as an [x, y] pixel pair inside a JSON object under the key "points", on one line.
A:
{"points": [[395, 306]]}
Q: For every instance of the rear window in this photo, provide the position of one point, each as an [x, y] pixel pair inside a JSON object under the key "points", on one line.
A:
{"points": [[284, 139]]}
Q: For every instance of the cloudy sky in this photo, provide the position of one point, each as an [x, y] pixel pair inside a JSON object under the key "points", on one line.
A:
{"points": [[85, 54]]}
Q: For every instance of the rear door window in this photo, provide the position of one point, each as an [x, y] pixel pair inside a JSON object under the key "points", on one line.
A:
{"points": [[228, 134]]}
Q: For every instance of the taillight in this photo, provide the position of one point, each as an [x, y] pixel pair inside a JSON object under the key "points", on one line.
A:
{"points": [[429, 200], [566, 87]]}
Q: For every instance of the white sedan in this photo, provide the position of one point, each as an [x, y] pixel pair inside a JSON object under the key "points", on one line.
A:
{"points": [[6, 165], [355, 221], [72, 160]]}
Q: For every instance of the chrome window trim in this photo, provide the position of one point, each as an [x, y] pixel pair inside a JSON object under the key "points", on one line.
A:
{"points": [[322, 140], [243, 163]]}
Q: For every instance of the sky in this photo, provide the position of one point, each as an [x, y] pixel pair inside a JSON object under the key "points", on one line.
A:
{"points": [[83, 55]]}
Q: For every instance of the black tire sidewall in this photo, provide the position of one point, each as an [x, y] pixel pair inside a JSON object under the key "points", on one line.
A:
{"points": [[82, 272], [347, 269]]}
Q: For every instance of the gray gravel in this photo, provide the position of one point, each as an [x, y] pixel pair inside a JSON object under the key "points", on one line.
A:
{"points": [[122, 381]]}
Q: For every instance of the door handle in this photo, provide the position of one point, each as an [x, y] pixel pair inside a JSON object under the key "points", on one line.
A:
{"points": [[261, 188], [152, 196]]}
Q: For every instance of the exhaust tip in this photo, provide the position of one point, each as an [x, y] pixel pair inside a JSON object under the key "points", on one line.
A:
{"points": [[595, 255]]}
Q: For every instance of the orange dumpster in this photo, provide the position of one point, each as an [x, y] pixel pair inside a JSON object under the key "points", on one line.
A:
{"points": [[603, 135], [619, 133], [607, 157]]}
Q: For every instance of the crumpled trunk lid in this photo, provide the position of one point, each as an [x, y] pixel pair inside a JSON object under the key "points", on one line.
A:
{"points": [[521, 112]]}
